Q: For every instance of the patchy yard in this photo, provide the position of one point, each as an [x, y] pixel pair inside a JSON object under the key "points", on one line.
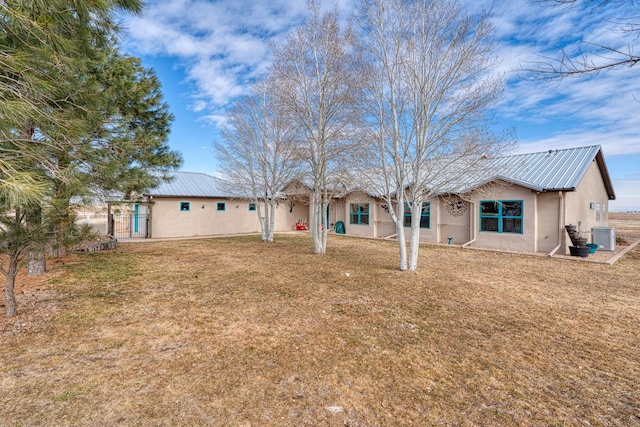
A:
{"points": [[235, 332]]}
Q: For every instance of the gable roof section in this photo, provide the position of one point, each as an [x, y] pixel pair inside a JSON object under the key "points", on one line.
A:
{"points": [[189, 184], [553, 170]]}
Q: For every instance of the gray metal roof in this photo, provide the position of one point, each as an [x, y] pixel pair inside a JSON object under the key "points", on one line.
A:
{"points": [[553, 170], [189, 184], [550, 170]]}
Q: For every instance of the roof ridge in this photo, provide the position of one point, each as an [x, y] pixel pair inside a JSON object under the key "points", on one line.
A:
{"points": [[555, 150]]}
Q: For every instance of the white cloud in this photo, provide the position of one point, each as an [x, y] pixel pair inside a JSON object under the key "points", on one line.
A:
{"points": [[222, 45]]}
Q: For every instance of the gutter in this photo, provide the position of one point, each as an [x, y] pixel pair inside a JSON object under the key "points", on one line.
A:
{"points": [[560, 223], [473, 226]]}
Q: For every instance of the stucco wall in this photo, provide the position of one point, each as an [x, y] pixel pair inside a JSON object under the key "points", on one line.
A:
{"points": [[384, 226], [582, 204], [167, 220], [454, 223], [360, 229], [427, 234], [380, 222], [548, 226], [525, 241]]}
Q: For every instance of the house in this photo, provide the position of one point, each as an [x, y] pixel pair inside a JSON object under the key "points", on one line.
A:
{"points": [[521, 203], [196, 204]]}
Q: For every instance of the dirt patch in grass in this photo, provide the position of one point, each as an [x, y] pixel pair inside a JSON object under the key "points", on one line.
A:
{"points": [[236, 332]]}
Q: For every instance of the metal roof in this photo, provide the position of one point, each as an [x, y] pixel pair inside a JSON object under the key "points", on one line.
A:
{"points": [[553, 170], [189, 184]]}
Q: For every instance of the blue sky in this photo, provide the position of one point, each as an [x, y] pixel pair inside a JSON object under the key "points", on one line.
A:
{"points": [[206, 53]]}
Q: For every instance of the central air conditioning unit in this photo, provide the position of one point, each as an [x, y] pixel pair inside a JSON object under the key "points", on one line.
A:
{"points": [[604, 237]]}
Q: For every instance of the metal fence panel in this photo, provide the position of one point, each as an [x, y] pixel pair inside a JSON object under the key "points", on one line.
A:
{"points": [[129, 226]]}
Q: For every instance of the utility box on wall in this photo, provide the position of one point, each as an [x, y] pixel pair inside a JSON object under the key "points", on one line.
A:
{"points": [[604, 237]]}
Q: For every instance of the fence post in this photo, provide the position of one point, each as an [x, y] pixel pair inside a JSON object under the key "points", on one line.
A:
{"points": [[110, 225]]}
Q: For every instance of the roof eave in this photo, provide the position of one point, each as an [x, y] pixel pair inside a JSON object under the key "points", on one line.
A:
{"points": [[602, 165]]}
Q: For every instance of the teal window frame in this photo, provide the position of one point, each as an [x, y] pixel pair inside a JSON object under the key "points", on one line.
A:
{"points": [[185, 206], [221, 206], [359, 213], [252, 207], [503, 218], [425, 215]]}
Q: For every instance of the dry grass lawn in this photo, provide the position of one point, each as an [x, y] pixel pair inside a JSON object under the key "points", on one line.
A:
{"points": [[233, 332]]}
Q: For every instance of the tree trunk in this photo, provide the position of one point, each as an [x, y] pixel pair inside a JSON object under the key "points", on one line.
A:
{"points": [[414, 244], [402, 245], [37, 264], [37, 260], [10, 281], [272, 221], [262, 220], [397, 216], [316, 225]]}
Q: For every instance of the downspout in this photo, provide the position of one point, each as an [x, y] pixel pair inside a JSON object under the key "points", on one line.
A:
{"points": [[474, 229], [560, 223]]}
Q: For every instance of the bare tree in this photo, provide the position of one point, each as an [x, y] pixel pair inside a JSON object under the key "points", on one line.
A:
{"points": [[594, 57], [256, 156], [320, 76], [431, 94]]}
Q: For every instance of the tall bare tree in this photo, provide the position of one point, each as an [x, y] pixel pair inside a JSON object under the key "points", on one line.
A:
{"points": [[320, 74], [431, 94], [256, 155]]}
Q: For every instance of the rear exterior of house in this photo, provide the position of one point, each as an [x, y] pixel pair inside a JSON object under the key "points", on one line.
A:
{"points": [[523, 206]]}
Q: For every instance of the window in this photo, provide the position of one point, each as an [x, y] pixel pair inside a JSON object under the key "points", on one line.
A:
{"points": [[359, 213], [185, 206], [221, 206], [502, 216], [425, 215], [252, 207]]}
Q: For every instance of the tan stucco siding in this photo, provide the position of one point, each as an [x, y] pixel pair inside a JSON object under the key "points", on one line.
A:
{"points": [[385, 226], [454, 223], [582, 203], [360, 229], [167, 220], [548, 226], [202, 218], [427, 234], [338, 211], [588, 206], [525, 241]]}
